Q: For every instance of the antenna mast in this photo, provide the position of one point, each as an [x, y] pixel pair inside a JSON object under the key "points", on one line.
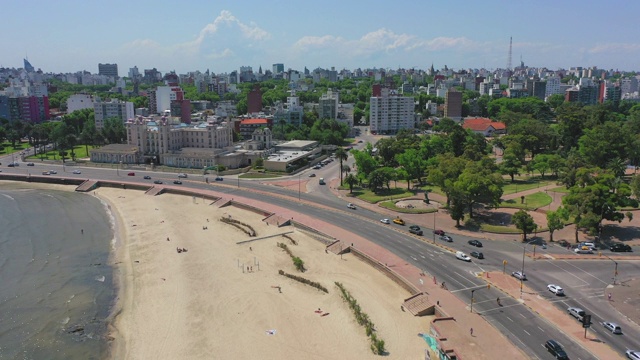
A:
{"points": [[509, 58]]}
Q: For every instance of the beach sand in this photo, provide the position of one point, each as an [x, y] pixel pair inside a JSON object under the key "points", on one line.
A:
{"points": [[203, 303]]}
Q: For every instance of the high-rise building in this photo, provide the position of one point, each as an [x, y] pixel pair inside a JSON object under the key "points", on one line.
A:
{"points": [[160, 99], [254, 100], [278, 68], [77, 102], [28, 67], [453, 104], [390, 112], [108, 70], [115, 108], [30, 109], [553, 86], [328, 105]]}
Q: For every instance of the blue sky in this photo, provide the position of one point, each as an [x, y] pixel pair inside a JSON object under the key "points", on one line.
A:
{"points": [[73, 35]]}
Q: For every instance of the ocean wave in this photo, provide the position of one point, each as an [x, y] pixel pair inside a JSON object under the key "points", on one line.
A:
{"points": [[8, 197], [100, 278]]}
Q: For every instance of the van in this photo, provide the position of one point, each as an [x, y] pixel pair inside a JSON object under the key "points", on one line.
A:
{"points": [[462, 256], [321, 181]]}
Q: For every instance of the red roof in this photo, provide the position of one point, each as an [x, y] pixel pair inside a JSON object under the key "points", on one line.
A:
{"points": [[481, 124], [254, 121]]}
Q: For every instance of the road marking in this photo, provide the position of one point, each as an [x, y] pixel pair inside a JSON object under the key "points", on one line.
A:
{"points": [[414, 258], [422, 256], [509, 318], [541, 329], [526, 332], [523, 316]]}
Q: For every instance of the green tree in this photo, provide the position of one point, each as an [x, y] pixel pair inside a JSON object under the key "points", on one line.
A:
{"points": [[556, 220], [555, 100], [365, 163], [510, 164], [351, 180], [341, 155], [412, 163], [88, 135], [479, 186], [541, 163], [524, 222], [457, 205]]}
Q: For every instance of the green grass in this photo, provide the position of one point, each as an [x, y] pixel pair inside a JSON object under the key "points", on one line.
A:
{"points": [[498, 229], [391, 205], [531, 201], [434, 189], [8, 149], [80, 151], [561, 189], [519, 185], [394, 193], [259, 176]]}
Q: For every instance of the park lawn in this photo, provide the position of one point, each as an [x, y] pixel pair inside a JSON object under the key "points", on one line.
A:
{"points": [[434, 189], [391, 205], [8, 149], [79, 150], [523, 185], [560, 189], [259, 176], [394, 193], [498, 229], [531, 201]]}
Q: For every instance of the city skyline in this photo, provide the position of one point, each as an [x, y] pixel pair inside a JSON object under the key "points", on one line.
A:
{"points": [[70, 36]]}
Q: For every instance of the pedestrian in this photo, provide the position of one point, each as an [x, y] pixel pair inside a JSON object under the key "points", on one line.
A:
{"points": [[81, 231], [609, 296], [250, 249], [438, 302], [471, 331]]}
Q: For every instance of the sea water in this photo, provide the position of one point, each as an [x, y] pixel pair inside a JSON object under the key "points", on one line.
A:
{"points": [[56, 286]]}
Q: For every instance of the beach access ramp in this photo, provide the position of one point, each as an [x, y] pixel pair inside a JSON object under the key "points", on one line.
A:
{"points": [[88, 185]]}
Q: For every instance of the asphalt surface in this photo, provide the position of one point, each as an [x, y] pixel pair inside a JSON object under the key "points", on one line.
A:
{"points": [[583, 282]]}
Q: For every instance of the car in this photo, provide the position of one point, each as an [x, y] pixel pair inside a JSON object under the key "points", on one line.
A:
{"points": [[157, 182], [519, 275], [633, 354], [462, 256], [131, 174], [439, 232], [555, 289], [182, 175], [77, 172], [613, 327], [414, 227], [583, 250], [31, 164], [556, 349], [219, 178], [415, 231], [477, 254], [317, 167], [10, 165], [359, 141], [45, 173], [563, 243], [147, 177], [351, 206], [576, 313], [446, 238], [321, 181], [177, 182], [475, 243], [385, 221], [589, 245], [52, 172], [312, 175], [620, 247], [398, 221]]}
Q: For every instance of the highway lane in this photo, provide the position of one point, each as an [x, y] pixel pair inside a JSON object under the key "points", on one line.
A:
{"points": [[460, 277]]}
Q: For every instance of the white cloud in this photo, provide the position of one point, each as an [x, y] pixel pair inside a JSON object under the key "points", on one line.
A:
{"points": [[250, 31], [614, 47]]}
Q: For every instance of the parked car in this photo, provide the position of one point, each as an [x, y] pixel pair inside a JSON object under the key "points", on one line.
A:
{"points": [[556, 350], [385, 221], [583, 250], [475, 243], [620, 247], [633, 354], [77, 172], [351, 206], [131, 174], [462, 256], [563, 243], [519, 275], [398, 221], [30, 164], [147, 177], [439, 232], [157, 182], [613, 327], [477, 255], [317, 167], [555, 289], [576, 313], [446, 238]]}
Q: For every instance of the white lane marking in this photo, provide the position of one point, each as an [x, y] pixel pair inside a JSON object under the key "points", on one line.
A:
{"points": [[523, 316], [526, 332], [541, 329], [509, 318]]}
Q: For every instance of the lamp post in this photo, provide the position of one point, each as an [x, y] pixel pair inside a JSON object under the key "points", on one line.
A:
{"points": [[472, 299], [434, 226], [602, 218], [117, 168], [524, 249], [299, 175], [615, 270]]}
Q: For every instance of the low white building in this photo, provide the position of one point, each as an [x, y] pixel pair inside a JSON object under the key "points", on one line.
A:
{"points": [[79, 102]]}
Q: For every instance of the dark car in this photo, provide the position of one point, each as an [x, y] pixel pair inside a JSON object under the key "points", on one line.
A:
{"points": [[11, 165], [556, 350], [30, 164], [446, 238], [439, 232], [414, 227], [177, 182], [475, 243], [477, 254], [620, 247], [131, 174], [147, 177], [563, 243], [157, 182], [219, 178], [417, 231]]}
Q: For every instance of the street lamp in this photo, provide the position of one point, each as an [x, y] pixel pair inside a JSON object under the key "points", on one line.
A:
{"points": [[299, 179], [602, 218], [117, 168], [434, 225], [524, 249], [615, 271]]}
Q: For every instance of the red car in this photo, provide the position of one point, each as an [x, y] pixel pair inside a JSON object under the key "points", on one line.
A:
{"points": [[439, 232], [131, 174]]}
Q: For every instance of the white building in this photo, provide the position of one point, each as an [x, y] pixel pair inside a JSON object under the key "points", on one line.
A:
{"points": [[390, 112], [164, 96], [328, 105], [553, 86], [78, 102], [112, 109]]}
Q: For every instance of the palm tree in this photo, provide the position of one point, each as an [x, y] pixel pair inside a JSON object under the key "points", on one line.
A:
{"points": [[351, 180], [342, 156], [346, 169]]}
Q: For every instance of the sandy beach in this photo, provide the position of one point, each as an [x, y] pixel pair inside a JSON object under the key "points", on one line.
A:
{"points": [[205, 303]]}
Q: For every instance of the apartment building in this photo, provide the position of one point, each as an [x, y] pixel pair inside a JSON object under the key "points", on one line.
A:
{"points": [[453, 104], [77, 102], [328, 105], [390, 112], [108, 70], [111, 109]]}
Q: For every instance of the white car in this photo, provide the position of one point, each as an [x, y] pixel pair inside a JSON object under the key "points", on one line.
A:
{"points": [[576, 313], [385, 221], [555, 289], [77, 172], [462, 256], [519, 275], [446, 238], [351, 206], [613, 327], [633, 354], [583, 250], [182, 175], [52, 172]]}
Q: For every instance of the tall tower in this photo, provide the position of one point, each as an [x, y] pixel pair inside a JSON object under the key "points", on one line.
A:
{"points": [[509, 58]]}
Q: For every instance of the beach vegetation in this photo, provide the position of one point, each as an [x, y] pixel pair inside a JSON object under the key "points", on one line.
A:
{"points": [[304, 281], [246, 228], [290, 239], [297, 262]]}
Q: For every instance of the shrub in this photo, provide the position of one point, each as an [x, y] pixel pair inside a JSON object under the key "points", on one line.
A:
{"points": [[248, 229], [304, 281], [377, 345]]}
